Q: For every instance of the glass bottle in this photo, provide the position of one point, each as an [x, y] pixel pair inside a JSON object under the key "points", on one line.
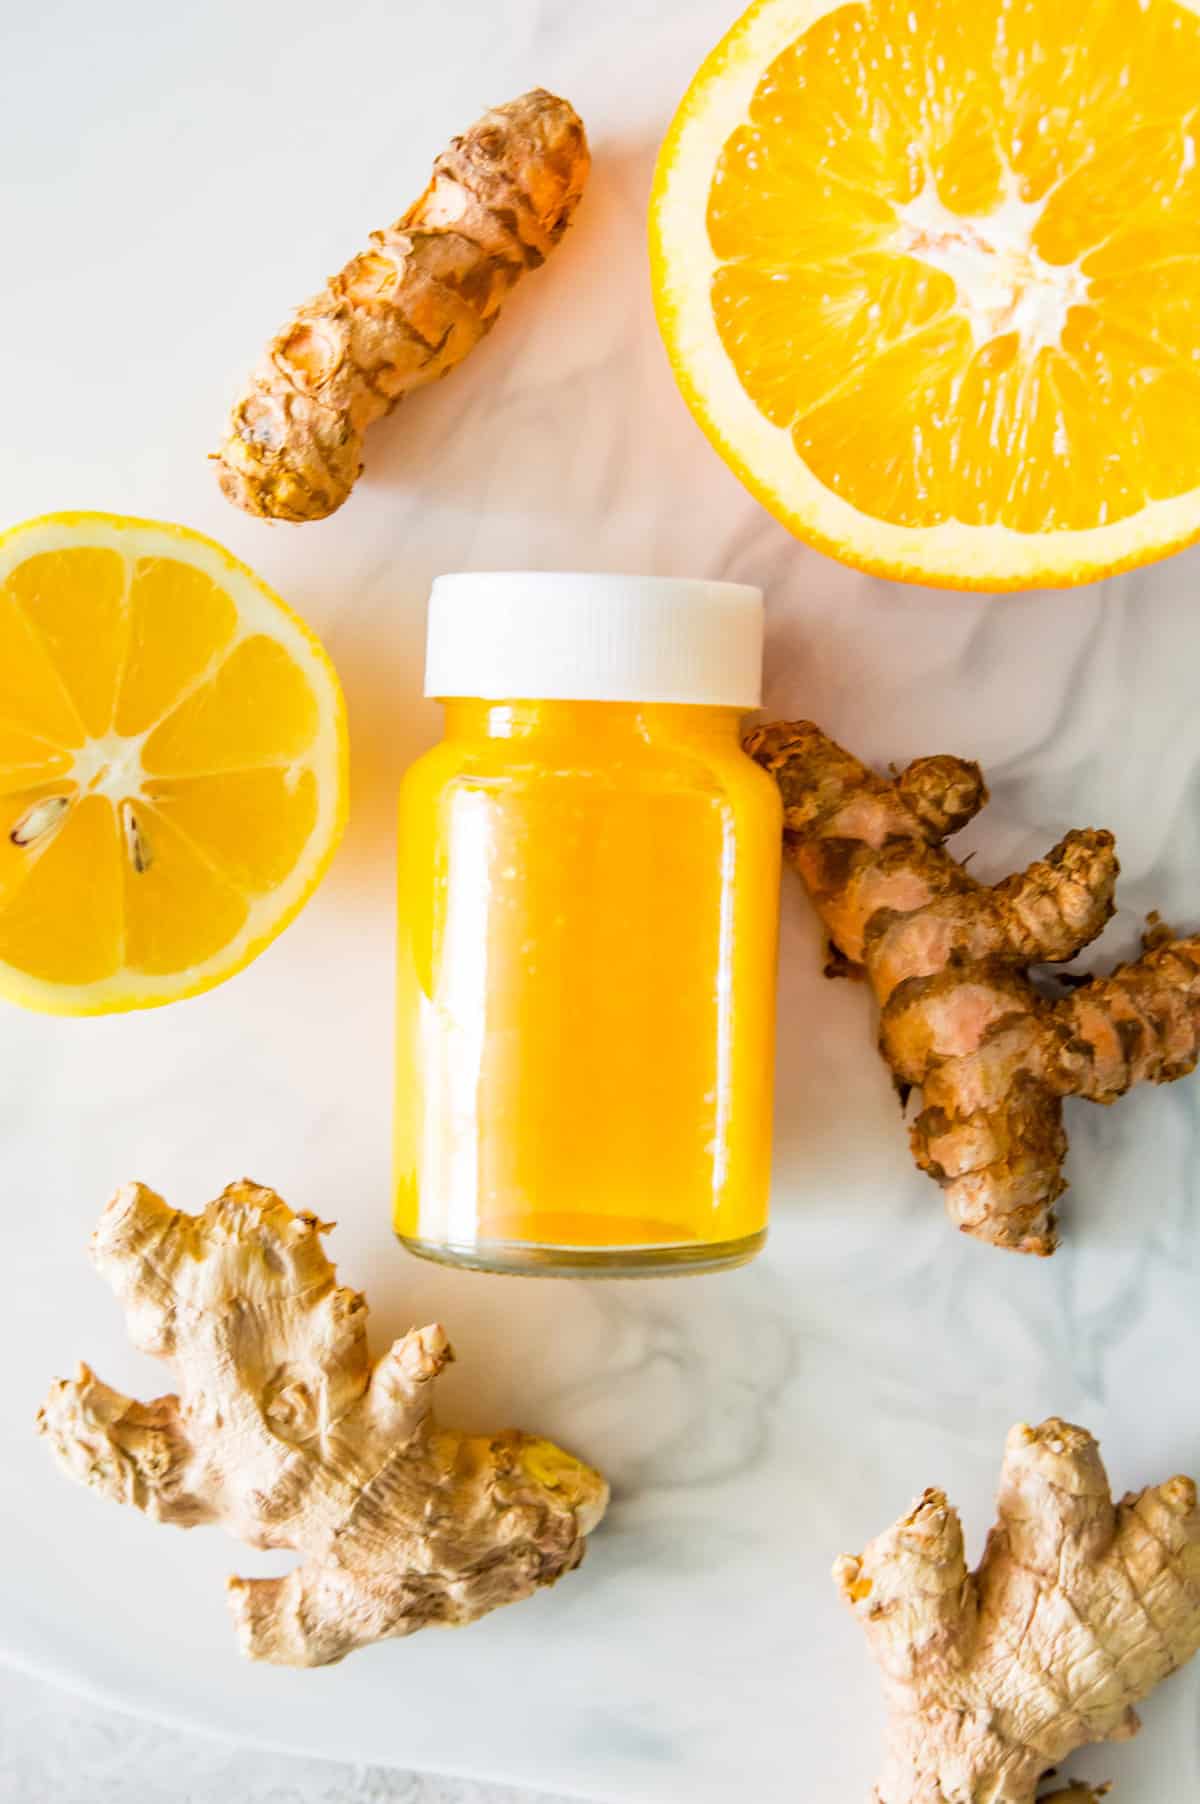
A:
{"points": [[588, 916]]}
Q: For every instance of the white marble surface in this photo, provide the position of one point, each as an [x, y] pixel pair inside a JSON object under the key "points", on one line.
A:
{"points": [[175, 177], [56, 1748]]}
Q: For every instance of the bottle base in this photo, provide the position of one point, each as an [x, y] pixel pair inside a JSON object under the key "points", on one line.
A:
{"points": [[518, 1259]]}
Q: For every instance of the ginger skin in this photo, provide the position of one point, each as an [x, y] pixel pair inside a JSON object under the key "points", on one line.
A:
{"points": [[405, 311], [947, 959], [284, 1432], [1078, 1609]]}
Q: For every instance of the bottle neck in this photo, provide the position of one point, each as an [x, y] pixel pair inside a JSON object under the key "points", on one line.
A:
{"points": [[609, 722]]}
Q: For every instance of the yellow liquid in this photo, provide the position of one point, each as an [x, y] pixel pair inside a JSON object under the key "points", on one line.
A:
{"points": [[588, 924]]}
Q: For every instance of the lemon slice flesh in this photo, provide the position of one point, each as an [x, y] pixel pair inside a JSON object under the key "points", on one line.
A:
{"points": [[172, 764]]}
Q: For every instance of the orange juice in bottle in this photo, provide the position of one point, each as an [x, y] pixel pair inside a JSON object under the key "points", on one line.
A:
{"points": [[589, 872]]}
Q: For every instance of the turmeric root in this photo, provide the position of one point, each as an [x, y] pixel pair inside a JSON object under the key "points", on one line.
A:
{"points": [[405, 311], [284, 1432], [947, 959], [1078, 1609]]}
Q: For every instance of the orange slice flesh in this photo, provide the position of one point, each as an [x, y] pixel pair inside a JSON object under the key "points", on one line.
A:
{"points": [[929, 277], [172, 764]]}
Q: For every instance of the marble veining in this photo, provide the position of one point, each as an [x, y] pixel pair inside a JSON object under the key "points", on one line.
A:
{"points": [[55, 1748], [208, 166]]}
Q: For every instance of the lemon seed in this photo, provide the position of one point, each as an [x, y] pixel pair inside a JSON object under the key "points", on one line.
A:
{"points": [[137, 847], [39, 820]]}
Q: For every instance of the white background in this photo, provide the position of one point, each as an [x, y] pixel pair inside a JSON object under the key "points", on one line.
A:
{"points": [[175, 178]]}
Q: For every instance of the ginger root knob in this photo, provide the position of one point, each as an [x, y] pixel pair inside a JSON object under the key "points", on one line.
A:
{"points": [[1079, 1607], [284, 1431]]}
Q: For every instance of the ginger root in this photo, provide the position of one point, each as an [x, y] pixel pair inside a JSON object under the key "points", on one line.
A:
{"points": [[947, 959], [405, 311], [1078, 1609], [284, 1432]]}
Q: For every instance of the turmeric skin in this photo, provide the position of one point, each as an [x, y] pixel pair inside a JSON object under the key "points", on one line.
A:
{"points": [[947, 958], [405, 311]]}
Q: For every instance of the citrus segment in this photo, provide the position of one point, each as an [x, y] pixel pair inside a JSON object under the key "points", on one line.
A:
{"points": [[26, 812], [179, 909], [33, 699], [26, 760], [61, 921], [257, 708], [251, 825], [929, 277], [180, 623], [172, 764], [46, 590]]}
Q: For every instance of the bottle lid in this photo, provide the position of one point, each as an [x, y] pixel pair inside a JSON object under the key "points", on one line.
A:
{"points": [[541, 635]]}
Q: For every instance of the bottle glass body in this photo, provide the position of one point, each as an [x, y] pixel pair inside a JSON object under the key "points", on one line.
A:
{"points": [[587, 949]]}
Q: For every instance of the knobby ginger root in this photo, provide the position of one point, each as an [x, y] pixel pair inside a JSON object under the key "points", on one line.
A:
{"points": [[284, 1432], [405, 311], [947, 958], [1077, 1610]]}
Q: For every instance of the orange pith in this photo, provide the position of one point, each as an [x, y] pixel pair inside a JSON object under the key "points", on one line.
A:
{"points": [[951, 255], [172, 754]]}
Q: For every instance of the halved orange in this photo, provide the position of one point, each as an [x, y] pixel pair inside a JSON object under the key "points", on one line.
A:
{"points": [[928, 272], [172, 764]]}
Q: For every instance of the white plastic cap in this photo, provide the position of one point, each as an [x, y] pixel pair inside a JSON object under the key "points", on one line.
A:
{"points": [[541, 635]]}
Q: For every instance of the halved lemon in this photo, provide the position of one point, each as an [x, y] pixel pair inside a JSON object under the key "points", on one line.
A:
{"points": [[172, 764], [928, 272]]}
